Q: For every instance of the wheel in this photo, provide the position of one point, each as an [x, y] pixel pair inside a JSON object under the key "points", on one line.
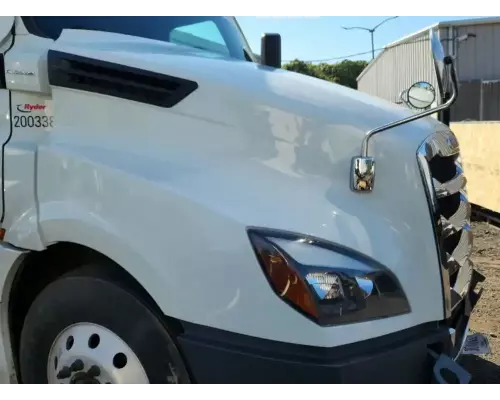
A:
{"points": [[88, 329]]}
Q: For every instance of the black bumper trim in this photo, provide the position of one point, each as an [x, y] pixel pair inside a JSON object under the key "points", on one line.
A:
{"points": [[215, 356]]}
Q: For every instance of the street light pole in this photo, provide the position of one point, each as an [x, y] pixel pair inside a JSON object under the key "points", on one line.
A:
{"points": [[373, 46], [371, 30]]}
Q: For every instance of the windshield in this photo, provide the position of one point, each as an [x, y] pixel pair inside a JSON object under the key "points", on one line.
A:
{"points": [[215, 34]]}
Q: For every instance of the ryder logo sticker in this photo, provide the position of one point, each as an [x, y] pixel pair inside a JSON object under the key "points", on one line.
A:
{"points": [[27, 108]]}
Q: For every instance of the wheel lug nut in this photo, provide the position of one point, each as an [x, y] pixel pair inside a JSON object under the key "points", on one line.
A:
{"points": [[77, 365], [64, 373], [94, 371]]}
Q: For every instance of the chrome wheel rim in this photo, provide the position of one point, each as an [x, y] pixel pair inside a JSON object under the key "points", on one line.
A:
{"points": [[90, 353]]}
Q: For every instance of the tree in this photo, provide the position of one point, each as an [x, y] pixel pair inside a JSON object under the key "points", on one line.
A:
{"points": [[343, 73]]}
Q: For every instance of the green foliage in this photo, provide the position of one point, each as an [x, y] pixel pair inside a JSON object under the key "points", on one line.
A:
{"points": [[343, 73]]}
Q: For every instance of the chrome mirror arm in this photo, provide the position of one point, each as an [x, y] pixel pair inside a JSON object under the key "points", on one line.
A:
{"points": [[405, 103], [363, 166], [370, 134], [401, 97]]}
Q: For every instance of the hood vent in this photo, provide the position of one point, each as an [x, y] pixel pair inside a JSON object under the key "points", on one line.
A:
{"points": [[97, 76]]}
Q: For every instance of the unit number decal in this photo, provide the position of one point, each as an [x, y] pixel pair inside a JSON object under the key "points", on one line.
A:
{"points": [[31, 121], [32, 116]]}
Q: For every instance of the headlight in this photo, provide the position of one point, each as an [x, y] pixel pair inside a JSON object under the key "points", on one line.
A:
{"points": [[328, 283]]}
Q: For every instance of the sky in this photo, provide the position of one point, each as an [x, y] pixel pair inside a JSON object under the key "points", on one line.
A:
{"points": [[318, 38]]}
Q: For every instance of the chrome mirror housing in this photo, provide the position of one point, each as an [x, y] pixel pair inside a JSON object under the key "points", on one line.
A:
{"points": [[363, 172]]}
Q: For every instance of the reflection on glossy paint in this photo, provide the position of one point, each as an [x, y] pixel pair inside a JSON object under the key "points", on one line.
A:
{"points": [[285, 129], [233, 303]]}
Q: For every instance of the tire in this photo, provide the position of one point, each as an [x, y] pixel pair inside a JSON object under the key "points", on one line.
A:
{"points": [[82, 298]]}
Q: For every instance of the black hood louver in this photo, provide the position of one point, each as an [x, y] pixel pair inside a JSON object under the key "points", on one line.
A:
{"points": [[97, 76]]}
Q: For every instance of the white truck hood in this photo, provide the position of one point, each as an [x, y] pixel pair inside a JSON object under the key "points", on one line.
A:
{"points": [[292, 92], [251, 146]]}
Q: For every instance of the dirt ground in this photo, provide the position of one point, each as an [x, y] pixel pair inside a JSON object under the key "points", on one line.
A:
{"points": [[486, 316]]}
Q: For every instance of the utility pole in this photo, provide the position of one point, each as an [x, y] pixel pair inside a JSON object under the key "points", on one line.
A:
{"points": [[371, 30]]}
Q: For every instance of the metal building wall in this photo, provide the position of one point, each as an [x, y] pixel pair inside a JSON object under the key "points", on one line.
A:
{"points": [[478, 101], [479, 57], [490, 104], [478, 68], [398, 67]]}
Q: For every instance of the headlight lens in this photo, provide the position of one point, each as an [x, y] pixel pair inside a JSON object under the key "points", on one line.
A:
{"points": [[327, 283]]}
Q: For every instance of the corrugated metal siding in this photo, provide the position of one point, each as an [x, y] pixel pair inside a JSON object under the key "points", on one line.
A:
{"points": [[467, 106], [397, 68], [479, 57], [491, 101]]}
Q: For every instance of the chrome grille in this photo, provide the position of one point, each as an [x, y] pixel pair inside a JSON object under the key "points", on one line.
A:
{"points": [[442, 171]]}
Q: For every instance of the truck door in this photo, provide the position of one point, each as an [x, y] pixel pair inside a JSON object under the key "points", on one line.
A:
{"points": [[27, 101], [6, 41]]}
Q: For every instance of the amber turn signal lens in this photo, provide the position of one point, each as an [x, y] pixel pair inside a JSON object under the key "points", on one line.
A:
{"points": [[284, 280]]}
